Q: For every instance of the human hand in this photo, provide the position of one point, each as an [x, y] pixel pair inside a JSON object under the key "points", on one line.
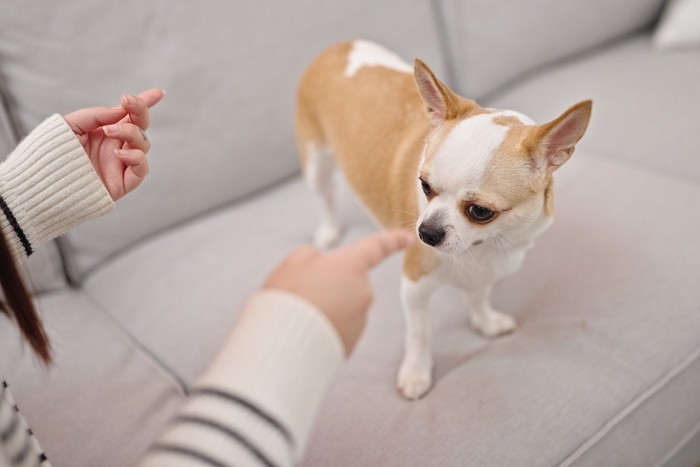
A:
{"points": [[115, 140], [337, 283]]}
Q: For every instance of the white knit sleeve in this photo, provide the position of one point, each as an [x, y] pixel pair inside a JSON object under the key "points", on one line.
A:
{"points": [[47, 186], [257, 402]]}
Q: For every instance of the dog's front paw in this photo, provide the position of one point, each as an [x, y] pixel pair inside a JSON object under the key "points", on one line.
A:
{"points": [[415, 379], [493, 323], [327, 236]]}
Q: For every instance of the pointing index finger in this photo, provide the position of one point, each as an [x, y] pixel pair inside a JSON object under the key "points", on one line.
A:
{"points": [[372, 250]]}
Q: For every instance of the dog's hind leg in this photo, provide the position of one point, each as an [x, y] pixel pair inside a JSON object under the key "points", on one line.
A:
{"points": [[318, 167], [319, 170]]}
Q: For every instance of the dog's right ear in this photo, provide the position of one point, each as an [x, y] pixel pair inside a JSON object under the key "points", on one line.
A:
{"points": [[440, 102]]}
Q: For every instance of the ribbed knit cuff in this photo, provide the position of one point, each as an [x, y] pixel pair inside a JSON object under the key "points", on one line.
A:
{"points": [[282, 356], [48, 185]]}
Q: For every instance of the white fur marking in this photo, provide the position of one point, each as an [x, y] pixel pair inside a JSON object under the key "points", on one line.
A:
{"points": [[462, 158], [319, 175], [365, 53], [416, 373]]}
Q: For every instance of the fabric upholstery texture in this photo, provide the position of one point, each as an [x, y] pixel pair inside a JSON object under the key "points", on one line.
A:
{"points": [[492, 43], [8, 139], [225, 127], [78, 408], [604, 368], [679, 26], [194, 280], [599, 342], [43, 271], [601, 350], [641, 109]]}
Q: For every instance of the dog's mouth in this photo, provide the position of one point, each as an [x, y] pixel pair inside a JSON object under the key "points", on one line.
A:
{"points": [[438, 238]]}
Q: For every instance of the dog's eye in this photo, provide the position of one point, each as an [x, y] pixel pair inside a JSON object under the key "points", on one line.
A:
{"points": [[426, 188], [480, 213]]}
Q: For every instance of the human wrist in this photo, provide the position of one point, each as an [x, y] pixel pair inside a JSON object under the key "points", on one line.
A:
{"points": [[49, 185], [282, 355]]}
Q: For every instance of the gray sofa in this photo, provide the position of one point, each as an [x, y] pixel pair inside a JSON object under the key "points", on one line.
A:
{"points": [[605, 367]]}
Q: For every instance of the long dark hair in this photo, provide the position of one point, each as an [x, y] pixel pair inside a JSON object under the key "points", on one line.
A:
{"points": [[18, 304]]}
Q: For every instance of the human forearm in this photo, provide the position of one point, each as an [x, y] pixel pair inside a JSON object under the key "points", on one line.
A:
{"points": [[48, 186], [258, 400]]}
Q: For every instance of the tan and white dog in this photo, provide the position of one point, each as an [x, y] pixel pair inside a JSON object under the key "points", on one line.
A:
{"points": [[474, 183]]}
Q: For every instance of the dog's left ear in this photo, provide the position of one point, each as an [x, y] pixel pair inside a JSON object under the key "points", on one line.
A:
{"points": [[555, 141], [440, 102]]}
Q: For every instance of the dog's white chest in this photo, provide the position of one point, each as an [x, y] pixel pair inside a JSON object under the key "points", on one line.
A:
{"points": [[490, 261], [480, 266]]}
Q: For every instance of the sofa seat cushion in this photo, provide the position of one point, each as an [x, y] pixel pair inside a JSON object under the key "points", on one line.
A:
{"points": [[603, 370], [104, 399], [643, 109], [179, 293]]}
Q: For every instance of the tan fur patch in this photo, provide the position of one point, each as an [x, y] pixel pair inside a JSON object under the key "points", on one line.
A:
{"points": [[376, 125], [509, 173], [510, 179], [418, 261], [549, 198], [506, 120], [378, 151]]}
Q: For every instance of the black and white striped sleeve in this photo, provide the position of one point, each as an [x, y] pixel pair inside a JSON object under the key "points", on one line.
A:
{"points": [[256, 404]]}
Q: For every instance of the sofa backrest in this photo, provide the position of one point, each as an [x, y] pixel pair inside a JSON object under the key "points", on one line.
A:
{"points": [[493, 42], [230, 70]]}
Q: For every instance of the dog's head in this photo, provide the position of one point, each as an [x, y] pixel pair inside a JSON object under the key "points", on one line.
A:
{"points": [[486, 172]]}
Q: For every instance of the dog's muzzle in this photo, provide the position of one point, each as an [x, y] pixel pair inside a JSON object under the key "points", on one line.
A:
{"points": [[431, 235]]}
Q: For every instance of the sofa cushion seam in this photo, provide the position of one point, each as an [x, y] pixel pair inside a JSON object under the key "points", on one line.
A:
{"points": [[144, 353], [650, 391], [678, 447]]}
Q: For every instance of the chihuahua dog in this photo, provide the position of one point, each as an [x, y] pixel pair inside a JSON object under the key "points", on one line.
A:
{"points": [[474, 183]]}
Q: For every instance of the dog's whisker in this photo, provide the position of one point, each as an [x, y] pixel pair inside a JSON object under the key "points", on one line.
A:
{"points": [[472, 260], [408, 225], [502, 237], [461, 267], [408, 212], [524, 219], [495, 246], [500, 244]]}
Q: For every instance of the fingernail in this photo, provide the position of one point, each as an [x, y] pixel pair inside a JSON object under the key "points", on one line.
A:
{"points": [[128, 99], [118, 152], [109, 129]]}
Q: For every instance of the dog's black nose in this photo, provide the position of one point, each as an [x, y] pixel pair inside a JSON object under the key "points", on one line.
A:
{"points": [[431, 235]]}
